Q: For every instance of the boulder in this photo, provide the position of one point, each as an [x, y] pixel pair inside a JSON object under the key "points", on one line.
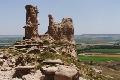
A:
{"points": [[49, 69], [49, 72], [66, 73], [60, 72]]}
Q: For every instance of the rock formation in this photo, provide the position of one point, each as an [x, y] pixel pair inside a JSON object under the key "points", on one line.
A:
{"points": [[60, 72], [61, 31], [56, 70], [58, 33], [17, 66], [31, 28], [12, 69]]}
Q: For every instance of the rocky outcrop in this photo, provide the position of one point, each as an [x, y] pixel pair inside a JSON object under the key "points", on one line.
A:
{"points": [[9, 70], [61, 31], [66, 73], [60, 72], [23, 67], [31, 28], [57, 34], [58, 31]]}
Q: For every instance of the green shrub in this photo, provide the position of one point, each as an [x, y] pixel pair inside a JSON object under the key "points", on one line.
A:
{"points": [[46, 42]]}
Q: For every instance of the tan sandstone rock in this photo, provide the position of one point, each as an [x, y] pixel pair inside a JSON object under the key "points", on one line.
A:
{"points": [[66, 73], [34, 76], [49, 61], [60, 72], [31, 28]]}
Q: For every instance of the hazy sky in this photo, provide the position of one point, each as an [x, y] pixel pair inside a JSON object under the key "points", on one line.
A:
{"points": [[89, 16]]}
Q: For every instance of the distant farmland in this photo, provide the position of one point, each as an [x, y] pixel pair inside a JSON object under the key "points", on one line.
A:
{"points": [[99, 58]]}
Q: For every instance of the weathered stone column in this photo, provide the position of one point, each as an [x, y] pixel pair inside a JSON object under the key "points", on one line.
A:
{"points": [[31, 28]]}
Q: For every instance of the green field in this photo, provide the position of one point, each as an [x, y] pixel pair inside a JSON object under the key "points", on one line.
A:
{"points": [[98, 58], [105, 50], [100, 51]]}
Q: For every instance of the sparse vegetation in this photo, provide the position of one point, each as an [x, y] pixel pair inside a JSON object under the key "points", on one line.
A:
{"points": [[46, 42]]}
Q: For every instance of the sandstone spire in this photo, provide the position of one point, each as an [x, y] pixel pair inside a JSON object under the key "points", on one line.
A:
{"points": [[31, 28]]}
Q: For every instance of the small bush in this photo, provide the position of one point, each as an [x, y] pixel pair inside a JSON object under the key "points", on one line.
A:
{"points": [[46, 42]]}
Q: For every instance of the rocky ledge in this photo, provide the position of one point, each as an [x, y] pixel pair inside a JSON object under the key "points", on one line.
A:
{"points": [[11, 69]]}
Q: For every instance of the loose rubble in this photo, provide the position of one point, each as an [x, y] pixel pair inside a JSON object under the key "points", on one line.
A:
{"points": [[26, 72]]}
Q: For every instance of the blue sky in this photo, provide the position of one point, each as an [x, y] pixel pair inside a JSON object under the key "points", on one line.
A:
{"points": [[89, 16]]}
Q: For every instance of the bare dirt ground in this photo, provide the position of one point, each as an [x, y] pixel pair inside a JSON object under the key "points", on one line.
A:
{"points": [[109, 69], [111, 73]]}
